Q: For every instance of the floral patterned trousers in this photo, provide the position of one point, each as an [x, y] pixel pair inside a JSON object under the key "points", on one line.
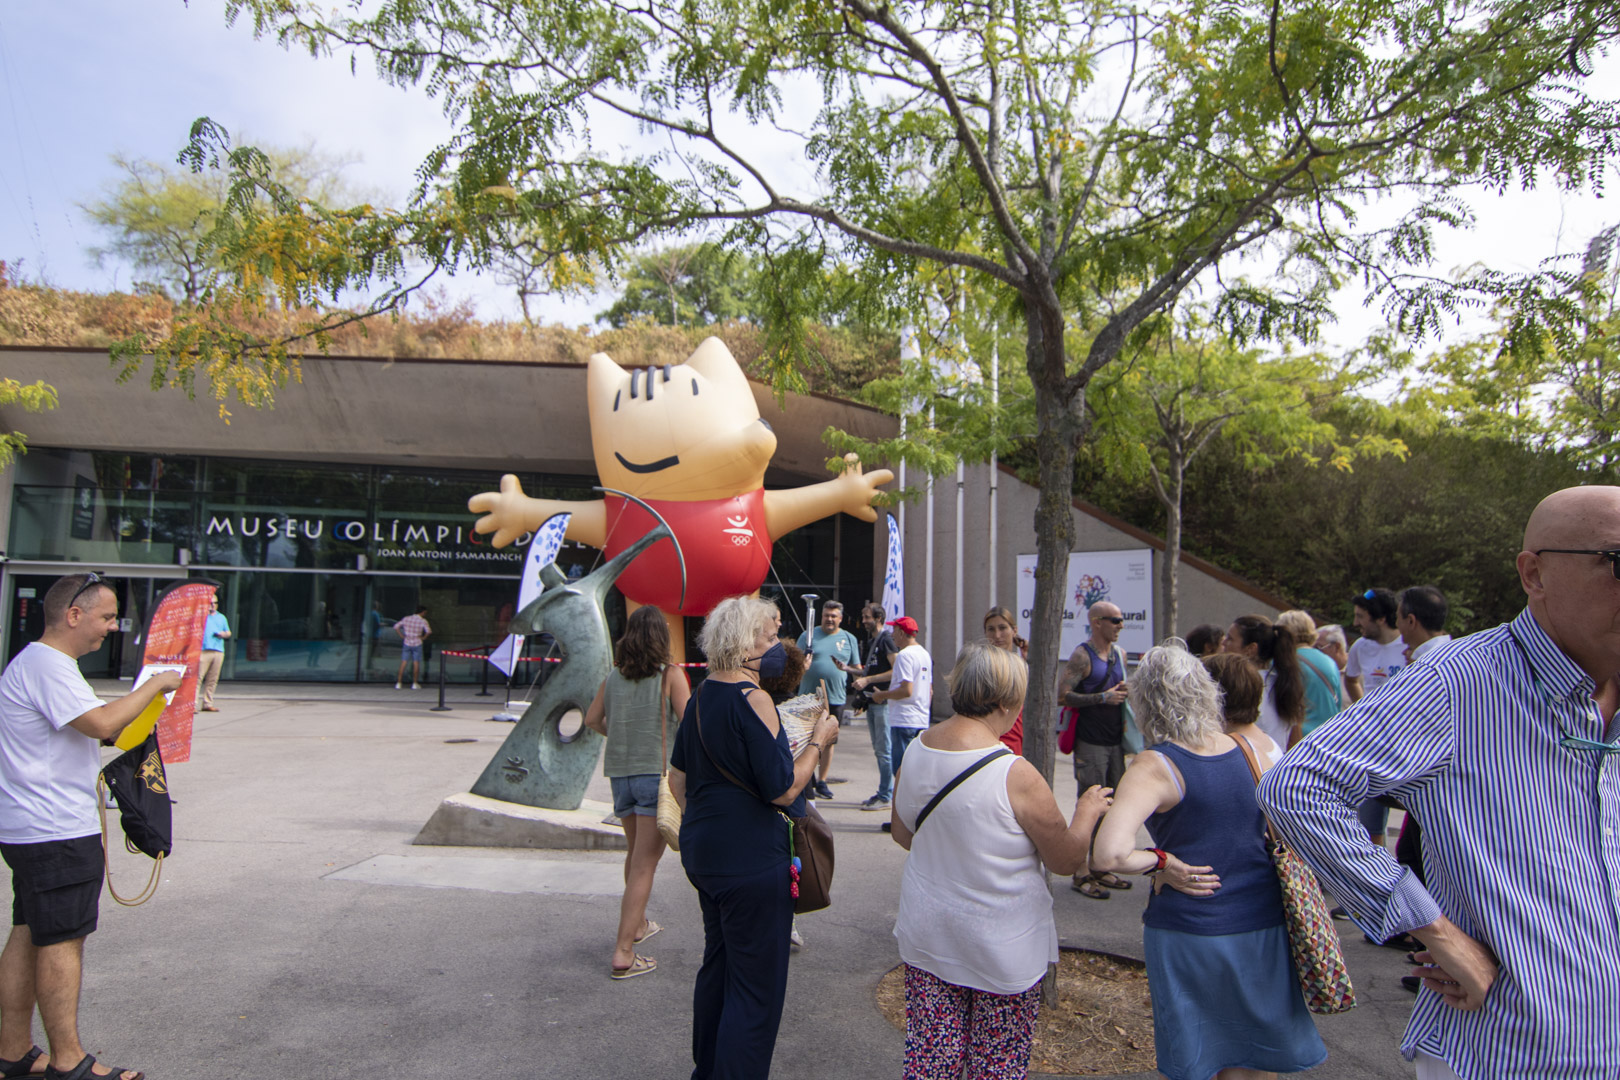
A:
{"points": [[956, 1031]]}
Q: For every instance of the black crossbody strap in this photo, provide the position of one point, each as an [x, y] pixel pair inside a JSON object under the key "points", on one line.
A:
{"points": [[698, 717], [939, 796]]}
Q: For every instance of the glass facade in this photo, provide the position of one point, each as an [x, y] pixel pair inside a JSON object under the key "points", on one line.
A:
{"points": [[318, 560]]}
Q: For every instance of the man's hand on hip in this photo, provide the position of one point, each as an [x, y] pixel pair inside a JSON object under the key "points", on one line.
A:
{"points": [[1454, 965]]}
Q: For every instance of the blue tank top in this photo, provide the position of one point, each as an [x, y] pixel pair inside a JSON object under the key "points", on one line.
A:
{"points": [[725, 829], [1217, 823]]}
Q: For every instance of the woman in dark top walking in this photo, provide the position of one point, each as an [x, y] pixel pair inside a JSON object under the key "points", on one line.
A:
{"points": [[734, 838], [1226, 1000]]}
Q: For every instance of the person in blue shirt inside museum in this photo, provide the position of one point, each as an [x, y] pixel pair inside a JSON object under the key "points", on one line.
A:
{"points": [[1501, 743], [215, 631], [834, 655]]}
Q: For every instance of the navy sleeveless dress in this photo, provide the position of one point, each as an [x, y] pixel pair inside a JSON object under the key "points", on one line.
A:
{"points": [[1224, 990]]}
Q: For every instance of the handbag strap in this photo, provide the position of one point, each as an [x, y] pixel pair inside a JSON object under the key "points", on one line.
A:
{"points": [[939, 796], [1338, 697], [663, 725], [703, 740], [1254, 770]]}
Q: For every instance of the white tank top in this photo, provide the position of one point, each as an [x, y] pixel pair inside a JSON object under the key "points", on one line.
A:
{"points": [[974, 907]]}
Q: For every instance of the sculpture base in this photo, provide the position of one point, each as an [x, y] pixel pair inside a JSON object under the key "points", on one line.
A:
{"points": [[469, 820]]}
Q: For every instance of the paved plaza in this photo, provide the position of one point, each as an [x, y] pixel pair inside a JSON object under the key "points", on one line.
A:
{"points": [[299, 933]]}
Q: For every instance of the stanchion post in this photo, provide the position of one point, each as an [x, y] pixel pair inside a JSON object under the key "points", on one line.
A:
{"points": [[483, 690], [441, 706]]}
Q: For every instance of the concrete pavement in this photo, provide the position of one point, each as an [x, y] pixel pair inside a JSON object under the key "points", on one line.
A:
{"points": [[299, 933]]}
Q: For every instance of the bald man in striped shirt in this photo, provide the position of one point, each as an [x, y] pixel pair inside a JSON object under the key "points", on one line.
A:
{"points": [[1502, 744]]}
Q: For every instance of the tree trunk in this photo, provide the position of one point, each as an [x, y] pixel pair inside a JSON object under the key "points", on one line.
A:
{"points": [[1170, 572], [1058, 434]]}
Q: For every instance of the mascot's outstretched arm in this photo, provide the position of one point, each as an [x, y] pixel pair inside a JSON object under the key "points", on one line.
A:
{"points": [[850, 493], [508, 513]]}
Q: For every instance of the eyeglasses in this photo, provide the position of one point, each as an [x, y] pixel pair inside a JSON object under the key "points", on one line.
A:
{"points": [[1612, 554], [91, 580]]}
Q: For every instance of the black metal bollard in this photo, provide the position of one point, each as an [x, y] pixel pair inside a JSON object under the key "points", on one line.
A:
{"points": [[483, 690], [441, 706]]}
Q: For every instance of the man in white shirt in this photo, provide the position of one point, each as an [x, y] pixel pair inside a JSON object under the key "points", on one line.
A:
{"points": [[1422, 620], [910, 693], [51, 724], [1375, 658]]}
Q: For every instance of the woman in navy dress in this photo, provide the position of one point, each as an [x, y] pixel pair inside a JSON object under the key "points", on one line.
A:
{"points": [[732, 772], [1226, 1000]]}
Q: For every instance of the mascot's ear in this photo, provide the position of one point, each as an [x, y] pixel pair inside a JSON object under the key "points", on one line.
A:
{"points": [[715, 363], [603, 379]]}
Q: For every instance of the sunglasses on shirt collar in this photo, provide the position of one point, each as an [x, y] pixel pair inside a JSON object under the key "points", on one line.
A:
{"points": [[1612, 554]]}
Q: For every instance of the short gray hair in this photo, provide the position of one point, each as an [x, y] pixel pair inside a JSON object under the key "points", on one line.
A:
{"points": [[986, 678], [728, 634], [1174, 698], [1333, 632]]}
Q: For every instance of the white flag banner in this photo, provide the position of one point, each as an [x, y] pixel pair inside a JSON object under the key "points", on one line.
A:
{"points": [[894, 575], [1120, 577], [543, 549]]}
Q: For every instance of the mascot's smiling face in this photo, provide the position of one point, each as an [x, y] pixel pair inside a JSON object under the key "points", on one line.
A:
{"points": [[681, 432]]}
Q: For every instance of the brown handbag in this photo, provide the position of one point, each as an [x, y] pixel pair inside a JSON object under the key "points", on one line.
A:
{"points": [[810, 839]]}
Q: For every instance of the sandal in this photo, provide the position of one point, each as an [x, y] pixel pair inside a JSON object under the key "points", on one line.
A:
{"points": [[85, 1070], [639, 966], [1112, 881], [652, 928], [23, 1066], [1087, 887]]}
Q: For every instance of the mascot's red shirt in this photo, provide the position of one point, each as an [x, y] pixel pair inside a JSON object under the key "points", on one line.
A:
{"points": [[728, 552]]}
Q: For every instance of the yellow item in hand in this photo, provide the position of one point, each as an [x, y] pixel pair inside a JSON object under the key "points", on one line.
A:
{"points": [[140, 727]]}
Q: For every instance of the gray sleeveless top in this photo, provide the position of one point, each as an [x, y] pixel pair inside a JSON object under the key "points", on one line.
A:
{"points": [[632, 723]]}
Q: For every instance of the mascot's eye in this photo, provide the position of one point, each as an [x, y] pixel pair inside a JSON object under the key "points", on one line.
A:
{"points": [[694, 388], [616, 395]]}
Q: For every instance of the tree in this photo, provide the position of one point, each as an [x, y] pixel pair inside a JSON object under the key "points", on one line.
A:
{"points": [[1158, 412], [158, 218], [691, 285], [1085, 161]]}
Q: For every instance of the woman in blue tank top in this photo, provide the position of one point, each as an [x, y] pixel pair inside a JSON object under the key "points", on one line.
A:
{"points": [[1225, 995]]}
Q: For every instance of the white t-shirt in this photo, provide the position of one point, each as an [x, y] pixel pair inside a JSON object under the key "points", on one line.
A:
{"points": [[912, 664], [1373, 663], [47, 769]]}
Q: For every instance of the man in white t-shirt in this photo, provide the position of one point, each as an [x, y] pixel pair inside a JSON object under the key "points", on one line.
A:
{"points": [[1375, 658], [51, 725], [911, 690]]}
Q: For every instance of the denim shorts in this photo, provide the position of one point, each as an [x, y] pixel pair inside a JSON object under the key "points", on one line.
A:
{"points": [[635, 795], [408, 653]]}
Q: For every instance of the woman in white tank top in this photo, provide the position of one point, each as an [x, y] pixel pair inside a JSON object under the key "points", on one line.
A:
{"points": [[975, 926]]}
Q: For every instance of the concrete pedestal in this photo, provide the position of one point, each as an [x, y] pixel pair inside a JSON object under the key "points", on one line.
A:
{"points": [[470, 820]]}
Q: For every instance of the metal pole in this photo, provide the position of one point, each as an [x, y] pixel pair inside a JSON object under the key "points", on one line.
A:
{"points": [[483, 690], [441, 706], [995, 470], [928, 555]]}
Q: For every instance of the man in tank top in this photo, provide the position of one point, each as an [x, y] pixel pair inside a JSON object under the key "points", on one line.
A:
{"points": [[1094, 686]]}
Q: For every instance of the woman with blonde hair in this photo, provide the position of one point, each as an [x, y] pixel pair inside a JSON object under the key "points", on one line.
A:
{"points": [[1324, 694], [975, 924], [734, 775], [1226, 999], [1001, 631]]}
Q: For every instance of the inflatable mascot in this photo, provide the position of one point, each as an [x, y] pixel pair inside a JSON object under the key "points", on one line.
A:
{"points": [[688, 440]]}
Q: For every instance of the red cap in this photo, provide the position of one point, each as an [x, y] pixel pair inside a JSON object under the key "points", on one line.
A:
{"points": [[906, 623]]}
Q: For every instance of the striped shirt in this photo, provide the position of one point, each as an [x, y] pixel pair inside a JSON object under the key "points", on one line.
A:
{"points": [[1519, 844]]}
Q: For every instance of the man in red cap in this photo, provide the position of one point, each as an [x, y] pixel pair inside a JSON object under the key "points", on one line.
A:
{"points": [[910, 692]]}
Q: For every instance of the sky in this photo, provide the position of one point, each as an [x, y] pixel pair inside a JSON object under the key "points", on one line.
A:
{"points": [[81, 80]]}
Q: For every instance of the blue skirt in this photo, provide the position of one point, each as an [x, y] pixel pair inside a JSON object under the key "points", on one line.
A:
{"points": [[1228, 1001]]}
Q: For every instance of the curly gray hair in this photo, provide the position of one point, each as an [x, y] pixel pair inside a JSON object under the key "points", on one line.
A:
{"points": [[1174, 698], [731, 629]]}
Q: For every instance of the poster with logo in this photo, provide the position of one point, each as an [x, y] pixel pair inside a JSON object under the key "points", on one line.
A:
{"points": [[174, 637], [1124, 578]]}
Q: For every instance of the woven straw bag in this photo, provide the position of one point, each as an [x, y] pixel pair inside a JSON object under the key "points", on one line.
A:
{"points": [[669, 811], [1313, 940]]}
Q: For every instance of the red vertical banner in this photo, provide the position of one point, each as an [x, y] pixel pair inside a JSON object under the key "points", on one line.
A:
{"points": [[174, 635]]}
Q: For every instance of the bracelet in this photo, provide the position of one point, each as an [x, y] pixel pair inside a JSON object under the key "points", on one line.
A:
{"points": [[1163, 857], [817, 745]]}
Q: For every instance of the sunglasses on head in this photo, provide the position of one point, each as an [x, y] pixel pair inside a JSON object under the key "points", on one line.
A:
{"points": [[91, 580], [1612, 554]]}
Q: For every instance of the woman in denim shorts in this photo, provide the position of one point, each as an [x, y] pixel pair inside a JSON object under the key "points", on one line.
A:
{"points": [[637, 708]]}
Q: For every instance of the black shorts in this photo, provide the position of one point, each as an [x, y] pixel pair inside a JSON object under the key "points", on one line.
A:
{"points": [[56, 887]]}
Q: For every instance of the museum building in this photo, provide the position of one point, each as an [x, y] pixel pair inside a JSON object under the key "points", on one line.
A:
{"points": [[336, 512]]}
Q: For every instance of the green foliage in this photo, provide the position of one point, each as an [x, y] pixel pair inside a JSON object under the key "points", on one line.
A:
{"points": [[690, 285]]}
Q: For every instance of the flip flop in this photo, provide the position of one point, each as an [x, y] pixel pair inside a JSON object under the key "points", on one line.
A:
{"points": [[1112, 881], [1088, 887], [639, 966], [652, 928], [23, 1066]]}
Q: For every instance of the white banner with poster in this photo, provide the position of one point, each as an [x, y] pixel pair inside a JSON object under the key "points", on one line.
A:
{"points": [[1124, 578]]}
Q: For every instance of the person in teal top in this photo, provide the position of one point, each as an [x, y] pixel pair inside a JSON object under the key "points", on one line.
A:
{"points": [[834, 653], [1323, 691], [215, 631]]}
